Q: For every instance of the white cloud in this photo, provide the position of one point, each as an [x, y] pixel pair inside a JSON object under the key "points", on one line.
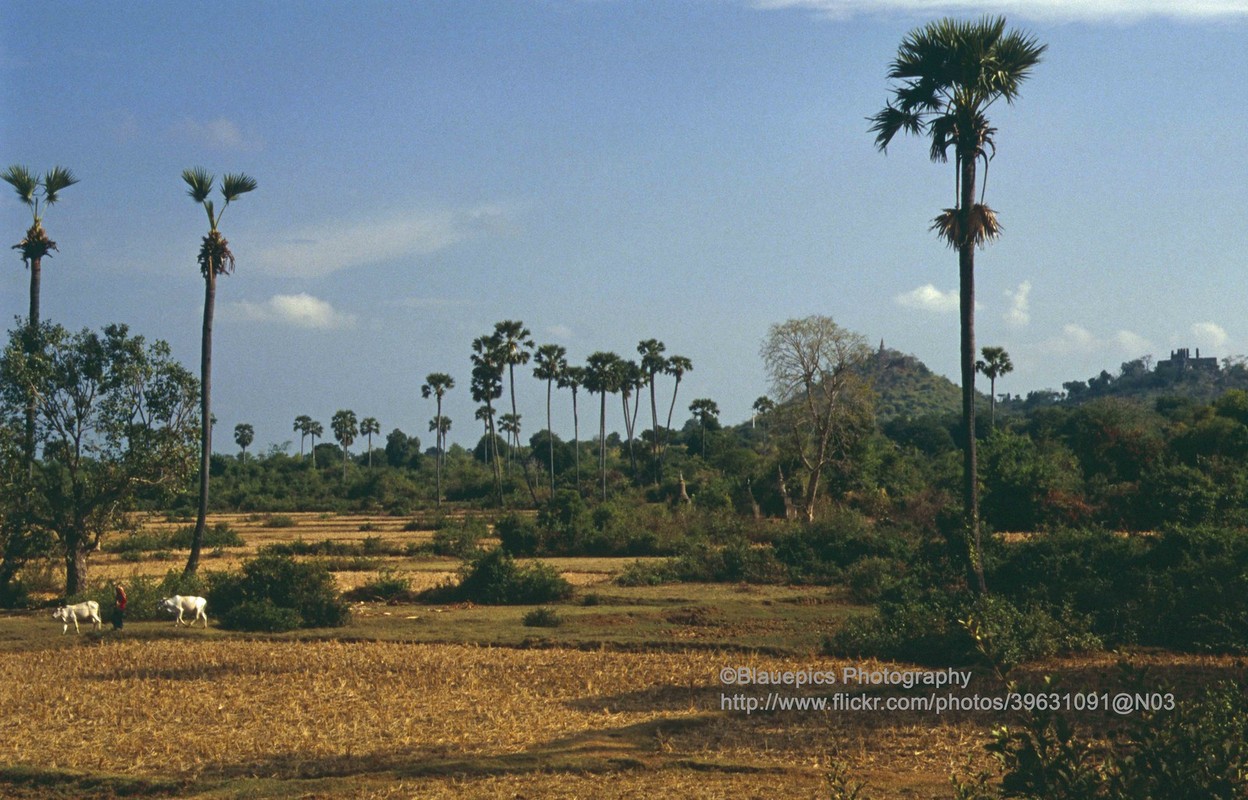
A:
{"points": [[929, 298], [560, 331], [218, 134], [1020, 309], [1211, 333], [1096, 10], [1133, 343], [319, 250], [1076, 339], [299, 310]]}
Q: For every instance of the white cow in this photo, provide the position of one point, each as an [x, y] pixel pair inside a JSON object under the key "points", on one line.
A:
{"points": [[183, 605], [89, 610]]}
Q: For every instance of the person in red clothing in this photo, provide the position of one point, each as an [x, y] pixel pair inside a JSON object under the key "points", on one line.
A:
{"points": [[119, 606]]}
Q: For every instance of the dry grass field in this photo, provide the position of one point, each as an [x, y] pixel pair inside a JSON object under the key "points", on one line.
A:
{"points": [[623, 700]]}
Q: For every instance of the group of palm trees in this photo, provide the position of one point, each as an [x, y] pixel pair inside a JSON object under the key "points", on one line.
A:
{"points": [[496, 355], [345, 425], [947, 73]]}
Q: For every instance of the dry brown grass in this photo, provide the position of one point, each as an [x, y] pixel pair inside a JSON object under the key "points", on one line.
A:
{"points": [[451, 720]]}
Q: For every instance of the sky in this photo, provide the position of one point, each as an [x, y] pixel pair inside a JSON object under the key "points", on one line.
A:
{"points": [[692, 171]]}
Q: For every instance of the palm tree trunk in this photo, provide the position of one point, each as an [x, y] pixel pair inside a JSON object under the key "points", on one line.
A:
{"points": [[668, 429], [550, 434], [576, 441], [602, 443], [654, 445], [970, 464], [992, 402], [36, 275], [437, 463], [205, 411]]}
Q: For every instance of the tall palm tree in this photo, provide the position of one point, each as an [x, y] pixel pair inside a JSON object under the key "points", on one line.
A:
{"points": [[574, 378], [345, 428], [302, 422], [437, 384], [551, 361], [703, 409], [513, 342], [487, 386], [369, 426], [602, 377], [316, 430], [509, 424], [676, 366], [214, 259], [33, 191], [949, 74], [652, 363], [244, 435], [995, 363], [630, 382]]}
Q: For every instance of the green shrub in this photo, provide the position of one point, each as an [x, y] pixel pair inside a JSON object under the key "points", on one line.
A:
{"points": [[279, 521], [306, 588], [494, 578], [518, 535], [388, 587], [868, 579], [461, 539], [263, 616], [652, 573], [543, 618]]}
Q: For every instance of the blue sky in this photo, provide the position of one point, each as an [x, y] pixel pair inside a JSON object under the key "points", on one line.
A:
{"points": [[607, 172]]}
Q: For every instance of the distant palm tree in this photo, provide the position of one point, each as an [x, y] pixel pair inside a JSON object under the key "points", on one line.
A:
{"points": [[676, 366], [31, 189], [509, 424], [652, 363], [315, 430], [369, 426], [574, 378], [437, 384], [995, 363], [302, 422], [602, 377], [551, 361], [214, 259], [513, 341], [950, 72], [703, 409], [244, 435], [630, 381], [487, 386], [345, 429]]}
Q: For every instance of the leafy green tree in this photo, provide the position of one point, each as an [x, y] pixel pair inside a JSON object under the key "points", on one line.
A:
{"points": [[763, 407], [302, 423], [215, 258], [436, 385], [32, 190], [244, 435], [652, 363], [369, 426], [573, 378], [704, 409], [995, 363], [552, 362], [345, 429], [824, 406], [116, 418], [949, 74]]}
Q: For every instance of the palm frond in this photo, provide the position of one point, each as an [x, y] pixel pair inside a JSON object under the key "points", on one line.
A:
{"points": [[982, 226], [200, 183], [891, 121], [21, 179], [54, 181], [235, 183]]}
